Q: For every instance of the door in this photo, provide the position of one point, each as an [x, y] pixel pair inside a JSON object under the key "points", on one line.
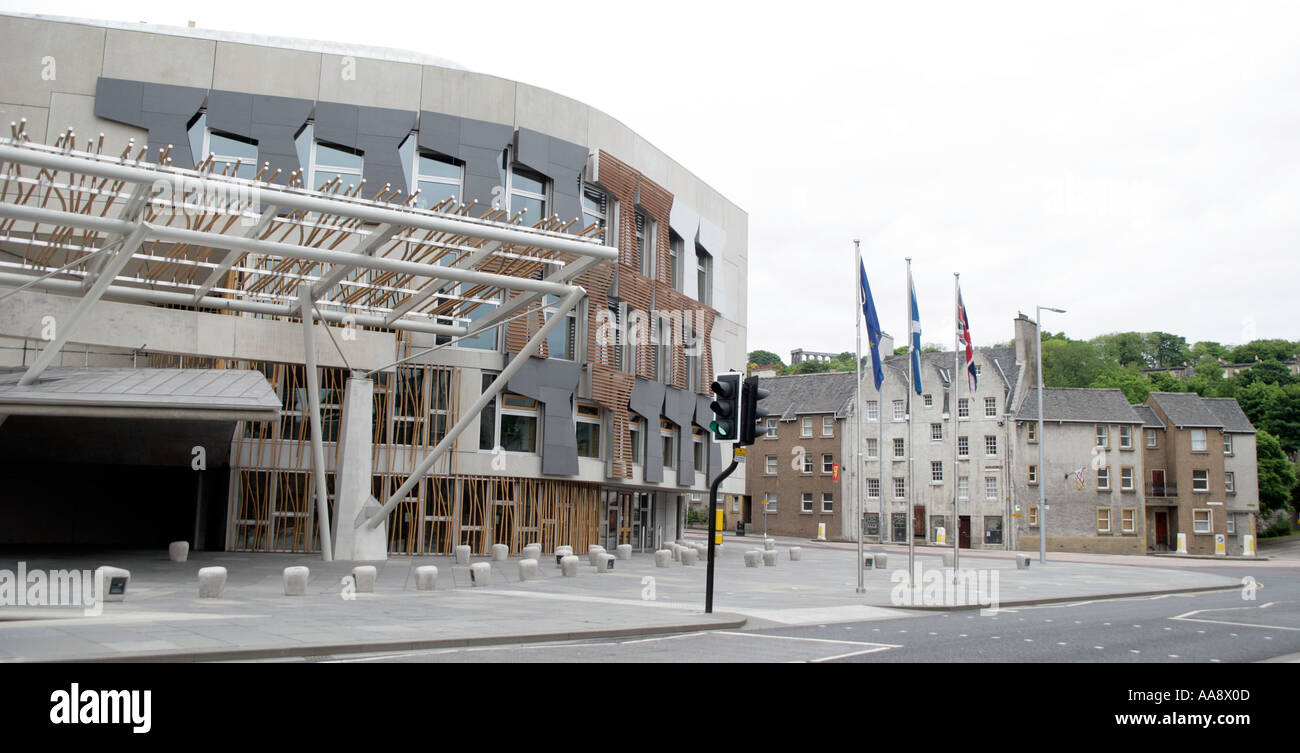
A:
{"points": [[918, 522], [1158, 484], [1162, 531], [963, 532]]}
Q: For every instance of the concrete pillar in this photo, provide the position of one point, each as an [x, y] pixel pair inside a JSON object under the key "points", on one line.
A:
{"points": [[462, 554], [569, 566], [212, 581], [178, 551], [604, 562], [500, 552], [364, 577], [593, 552], [480, 574], [881, 559], [769, 544], [796, 553], [561, 552], [663, 558], [769, 558], [753, 557], [689, 556], [295, 581], [532, 552], [426, 578], [624, 551], [1022, 561], [527, 569], [676, 549], [353, 504]]}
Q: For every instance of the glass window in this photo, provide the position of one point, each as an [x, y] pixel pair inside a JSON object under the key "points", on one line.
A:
{"points": [[1103, 435], [1033, 431], [963, 487], [963, 447], [828, 502], [1126, 479], [698, 449], [1198, 440], [1230, 482], [1151, 437], [1200, 481], [1201, 521], [636, 436], [1126, 437], [1103, 477], [805, 427], [900, 411], [900, 450], [595, 211], [703, 275], [873, 447], [518, 432], [936, 470], [527, 193], [1227, 444], [588, 428], [331, 162], [807, 463], [675, 250], [992, 529], [873, 488], [828, 463], [991, 445], [990, 487], [487, 421], [1232, 523], [963, 407], [670, 450], [1033, 474], [1128, 520], [771, 427], [769, 504], [900, 488], [872, 520], [770, 467], [438, 180], [227, 150], [929, 401], [1103, 520], [807, 501], [561, 341], [828, 426], [936, 432], [873, 410], [1033, 515], [991, 407], [645, 242]]}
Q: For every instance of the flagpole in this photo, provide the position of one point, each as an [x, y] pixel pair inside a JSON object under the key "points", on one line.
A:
{"points": [[860, 507], [911, 486], [956, 417]]}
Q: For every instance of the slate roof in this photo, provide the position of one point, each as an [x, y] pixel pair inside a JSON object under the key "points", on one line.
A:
{"points": [[1149, 418], [1229, 411], [936, 366], [1079, 404], [809, 393], [1186, 409], [190, 391]]}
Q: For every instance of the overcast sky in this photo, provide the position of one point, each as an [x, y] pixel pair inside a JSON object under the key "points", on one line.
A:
{"points": [[1135, 163]]}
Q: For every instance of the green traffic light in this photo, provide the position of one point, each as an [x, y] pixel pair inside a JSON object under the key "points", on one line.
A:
{"points": [[718, 430]]}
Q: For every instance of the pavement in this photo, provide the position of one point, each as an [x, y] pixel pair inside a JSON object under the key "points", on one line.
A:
{"points": [[162, 618]]}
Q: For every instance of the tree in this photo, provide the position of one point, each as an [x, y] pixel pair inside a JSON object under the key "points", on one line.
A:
{"points": [[1277, 350], [1134, 385], [1122, 347], [1166, 351], [765, 358], [1277, 475], [812, 366], [1162, 382], [1209, 348], [1070, 363], [901, 350], [1274, 409], [1270, 371]]}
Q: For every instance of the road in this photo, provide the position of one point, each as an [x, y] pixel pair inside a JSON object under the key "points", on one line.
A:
{"points": [[1204, 627]]}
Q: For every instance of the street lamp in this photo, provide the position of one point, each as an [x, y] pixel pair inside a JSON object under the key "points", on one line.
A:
{"points": [[1042, 480]]}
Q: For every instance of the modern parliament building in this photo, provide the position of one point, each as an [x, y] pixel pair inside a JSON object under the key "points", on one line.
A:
{"points": [[272, 295]]}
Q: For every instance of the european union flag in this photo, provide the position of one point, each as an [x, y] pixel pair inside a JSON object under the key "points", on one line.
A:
{"points": [[873, 326]]}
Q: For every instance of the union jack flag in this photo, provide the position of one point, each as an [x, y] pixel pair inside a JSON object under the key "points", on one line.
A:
{"points": [[963, 336]]}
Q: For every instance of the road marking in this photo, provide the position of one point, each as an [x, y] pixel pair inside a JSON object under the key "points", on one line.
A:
{"points": [[1060, 643], [798, 638], [876, 650], [1134, 651], [1097, 647], [659, 638], [1187, 617]]}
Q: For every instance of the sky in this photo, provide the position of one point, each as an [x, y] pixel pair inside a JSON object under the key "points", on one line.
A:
{"points": [[1136, 164]]}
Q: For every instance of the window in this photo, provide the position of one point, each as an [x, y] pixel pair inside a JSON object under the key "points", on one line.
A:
{"points": [[991, 445], [873, 410], [929, 401], [487, 420], [1103, 478], [1128, 520], [698, 442], [828, 426], [805, 427], [329, 163], [1033, 516], [1103, 436], [636, 434], [828, 502], [694, 364], [769, 505], [936, 471], [588, 429], [661, 351], [1103, 520], [516, 419], [963, 487], [1200, 481], [1126, 479], [1126, 437], [437, 178], [900, 451], [936, 432], [1033, 432], [645, 242], [873, 448], [675, 249], [1232, 523], [1198, 440], [560, 343], [963, 407], [527, 192], [1033, 475], [900, 488], [771, 428], [1227, 444], [703, 275], [990, 487], [596, 211], [872, 520], [807, 501], [807, 463], [990, 407], [1201, 521], [1151, 437], [900, 411], [828, 463], [1230, 482], [669, 436], [992, 529], [227, 150], [873, 488], [770, 467], [963, 447]]}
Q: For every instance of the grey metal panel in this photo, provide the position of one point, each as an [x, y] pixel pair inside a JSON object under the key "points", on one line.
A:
{"points": [[647, 401], [276, 122], [195, 390], [376, 132], [163, 110], [440, 133], [231, 112], [552, 382], [567, 162], [119, 100], [679, 407]]}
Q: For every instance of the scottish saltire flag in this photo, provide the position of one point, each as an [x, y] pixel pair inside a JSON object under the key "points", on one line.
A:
{"points": [[873, 325], [1078, 479], [916, 333], [963, 336]]}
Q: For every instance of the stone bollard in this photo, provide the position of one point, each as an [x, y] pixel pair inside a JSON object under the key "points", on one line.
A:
{"points": [[702, 550], [364, 577], [769, 558], [593, 553], [212, 581], [561, 552], [689, 556], [1022, 561], [426, 578], [462, 554], [295, 581], [676, 549], [868, 561], [500, 552], [480, 574], [663, 558], [569, 566], [604, 562], [112, 583], [882, 560], [753, 557], [769, 545], [948, 558], [536, 545], [532, 552], [624, 551], [527, 569], [179, 551], [796, 553]]}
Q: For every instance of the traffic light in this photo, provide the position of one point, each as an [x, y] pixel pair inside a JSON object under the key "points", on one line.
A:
{"points": [[752, 415], [726, 408]]}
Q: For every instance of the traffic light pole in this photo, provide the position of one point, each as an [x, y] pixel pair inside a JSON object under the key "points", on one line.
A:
{"points": [[713, 532]]}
